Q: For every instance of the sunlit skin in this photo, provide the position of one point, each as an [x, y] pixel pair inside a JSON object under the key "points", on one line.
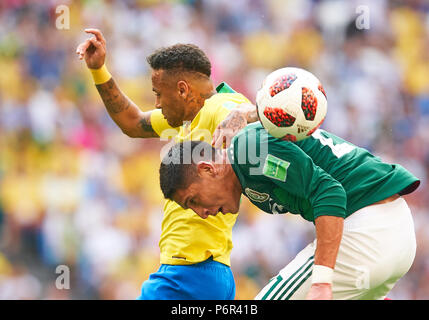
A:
{"points": [[180, 95], [217, 189]]}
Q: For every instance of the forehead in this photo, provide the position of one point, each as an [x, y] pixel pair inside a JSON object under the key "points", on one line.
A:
{"points": [[157, 77], [161, 78]]}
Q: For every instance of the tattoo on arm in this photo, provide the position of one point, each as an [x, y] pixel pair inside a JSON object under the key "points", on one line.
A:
{"points": [[124, 112], [252, 116], [250, 112], [234, 120], [145, 126], [245, 112], [114, 100]]}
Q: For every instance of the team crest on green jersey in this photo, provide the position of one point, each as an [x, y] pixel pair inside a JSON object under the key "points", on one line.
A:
{"points": [[256, 196], [275, 168]]}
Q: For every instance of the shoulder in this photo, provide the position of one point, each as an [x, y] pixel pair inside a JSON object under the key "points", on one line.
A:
{"points": [[218, 107], [224, 101]]}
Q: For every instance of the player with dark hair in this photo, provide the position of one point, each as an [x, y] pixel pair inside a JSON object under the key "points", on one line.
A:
{"points": [[195, 254], [180, 58], [365, 240]]}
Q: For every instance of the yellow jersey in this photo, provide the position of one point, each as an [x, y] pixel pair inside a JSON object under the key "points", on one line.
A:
{"points": [[186, 238]]}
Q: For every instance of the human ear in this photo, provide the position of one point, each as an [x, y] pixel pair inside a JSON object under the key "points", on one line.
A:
{"points": [[205, 169], [183, 89]]}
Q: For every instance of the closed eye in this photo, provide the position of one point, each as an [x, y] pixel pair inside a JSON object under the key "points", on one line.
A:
{"points": [[189, 202]]}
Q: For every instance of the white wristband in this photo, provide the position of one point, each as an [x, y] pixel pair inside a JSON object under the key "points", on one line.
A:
{"points": [[322, 274]]}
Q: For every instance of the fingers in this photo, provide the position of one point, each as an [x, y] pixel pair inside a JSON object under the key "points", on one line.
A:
{"points": [[215, 135], [219, 142], [222, 137], [225, 137], [228, 140], [96, 43], [81, 49], [97, 33]]}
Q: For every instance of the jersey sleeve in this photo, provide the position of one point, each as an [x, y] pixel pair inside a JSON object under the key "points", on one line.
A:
{"points": [[158, 122], [291, 169], [226, 106]]}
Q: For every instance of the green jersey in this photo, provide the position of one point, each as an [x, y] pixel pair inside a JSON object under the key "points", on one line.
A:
{"points": [[321, 175]]}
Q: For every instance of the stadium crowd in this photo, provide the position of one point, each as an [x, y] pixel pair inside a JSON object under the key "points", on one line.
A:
{"points": [[75, 191]]}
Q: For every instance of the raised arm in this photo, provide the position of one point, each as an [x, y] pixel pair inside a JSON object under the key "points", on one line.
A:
{"points": [[132, 121], [126, 114]]}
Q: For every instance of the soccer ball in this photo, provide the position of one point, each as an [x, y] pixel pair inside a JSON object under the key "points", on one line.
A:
{"points": [[291, 104]]}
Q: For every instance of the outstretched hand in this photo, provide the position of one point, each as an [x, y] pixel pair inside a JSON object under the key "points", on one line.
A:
{"points": [[93, 49]]}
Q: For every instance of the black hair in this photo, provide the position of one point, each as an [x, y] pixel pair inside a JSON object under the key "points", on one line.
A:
{"points": [[178, 167], [180, 57]]}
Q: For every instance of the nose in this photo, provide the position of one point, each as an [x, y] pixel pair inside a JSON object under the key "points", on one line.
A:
{"points": [[210, 212], [157, 103], [205, 213], [202, 212]]}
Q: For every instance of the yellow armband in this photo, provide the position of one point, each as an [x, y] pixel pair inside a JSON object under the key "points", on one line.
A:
{"points": [[101, 75]]}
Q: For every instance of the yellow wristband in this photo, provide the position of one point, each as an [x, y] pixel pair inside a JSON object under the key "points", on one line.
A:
{"points": [[100, 75]]}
